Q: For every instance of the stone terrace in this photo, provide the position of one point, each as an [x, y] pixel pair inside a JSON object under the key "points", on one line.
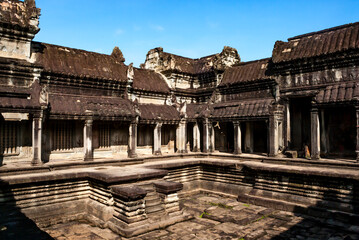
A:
{"points": [[219, 217]]}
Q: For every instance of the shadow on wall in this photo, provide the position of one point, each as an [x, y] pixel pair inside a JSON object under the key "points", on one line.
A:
{"points": [[320, 222], [14, 225]]}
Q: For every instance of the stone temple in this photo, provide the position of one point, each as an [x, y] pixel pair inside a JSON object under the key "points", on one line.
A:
{"points": [[143, 153]]}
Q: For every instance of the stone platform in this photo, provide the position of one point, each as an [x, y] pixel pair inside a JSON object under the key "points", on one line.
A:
{"points": [[218, 217], [159, 197]]}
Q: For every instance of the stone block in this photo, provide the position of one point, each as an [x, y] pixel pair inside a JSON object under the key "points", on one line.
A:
{"points": [[291, 154], [128, 193], [167, 187]]}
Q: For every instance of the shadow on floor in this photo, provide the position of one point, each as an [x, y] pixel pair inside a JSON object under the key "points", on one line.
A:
{"points": [[14, 225]]}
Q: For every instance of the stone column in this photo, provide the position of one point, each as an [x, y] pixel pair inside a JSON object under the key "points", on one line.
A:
{"points": [[249, 138], [88, 151], [36, 139], [287, 137], [323, 133], [196, 138], [273, 136], [237, 138], [315, 134], [157, 139], [206, 137], [181, 137], [132, 139], [212, 146], [357, 126]]}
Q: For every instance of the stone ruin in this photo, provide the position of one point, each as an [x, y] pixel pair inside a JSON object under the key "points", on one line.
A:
{"points": [[83, 136]]}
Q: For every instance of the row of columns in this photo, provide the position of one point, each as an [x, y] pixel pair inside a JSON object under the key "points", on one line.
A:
{"points": [[181, 135], [208, 137]]}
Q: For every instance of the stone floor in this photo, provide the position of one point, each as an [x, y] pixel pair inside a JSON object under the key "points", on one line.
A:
{"points": [[224, 218]]}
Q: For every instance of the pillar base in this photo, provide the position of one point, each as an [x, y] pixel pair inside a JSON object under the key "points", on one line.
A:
{"points": [[315, 157], [131, 154], [157, 153], [35, 162], [182, 151], [196, 150], [88, 159], [357, 152], [237, 152]]}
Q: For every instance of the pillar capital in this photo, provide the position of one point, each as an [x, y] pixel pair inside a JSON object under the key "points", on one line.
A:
{"points": [[88, 122]]}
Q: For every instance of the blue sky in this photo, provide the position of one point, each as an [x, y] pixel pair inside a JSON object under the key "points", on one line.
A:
{"points": [[188, 28]]}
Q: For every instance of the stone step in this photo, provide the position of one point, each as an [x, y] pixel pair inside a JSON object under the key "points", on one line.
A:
{"points": [[333, 217], [153, 202], [154, 209]]}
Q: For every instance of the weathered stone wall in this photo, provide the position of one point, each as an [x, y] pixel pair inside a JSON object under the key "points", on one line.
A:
{"points": [[318, 77], [265, 184]]}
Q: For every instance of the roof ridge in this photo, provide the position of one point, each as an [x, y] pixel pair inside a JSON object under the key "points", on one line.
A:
{"points": [[253, 61], [71, 48], [324, 31]]}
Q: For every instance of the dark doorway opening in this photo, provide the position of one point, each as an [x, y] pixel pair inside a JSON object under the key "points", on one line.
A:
{"points": [[224, 136], [189, 141], [300, 123], [338, 132], [260, 137]]}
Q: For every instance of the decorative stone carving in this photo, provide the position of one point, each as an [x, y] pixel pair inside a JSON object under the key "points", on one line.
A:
{"points": [[116, 53]]}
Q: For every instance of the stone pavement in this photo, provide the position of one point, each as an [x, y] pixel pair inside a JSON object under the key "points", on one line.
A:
{"points": [[218, 217]]}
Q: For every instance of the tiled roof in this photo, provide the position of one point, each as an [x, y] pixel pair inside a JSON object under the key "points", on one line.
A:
{"points": [[319, 43], [103, 106], [80, 63], [195, 110], [19, 13], [339, 93], [149, 80], [246, 108], [158, 112], [20, 97], [246, 72]]}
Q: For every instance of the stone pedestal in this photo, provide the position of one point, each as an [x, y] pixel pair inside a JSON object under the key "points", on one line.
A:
{"points": [[157, 139], [129, 206], [88, 151], [132, 140], [168, 193], [237, 138], [196, 138], [315, 134], [36, 139]]}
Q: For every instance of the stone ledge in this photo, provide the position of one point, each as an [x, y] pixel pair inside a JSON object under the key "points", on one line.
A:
{"points": [[130, 193], [168, 187]]}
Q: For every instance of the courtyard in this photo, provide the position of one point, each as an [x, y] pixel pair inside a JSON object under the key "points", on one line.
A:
{"points": [[214, 217]]}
